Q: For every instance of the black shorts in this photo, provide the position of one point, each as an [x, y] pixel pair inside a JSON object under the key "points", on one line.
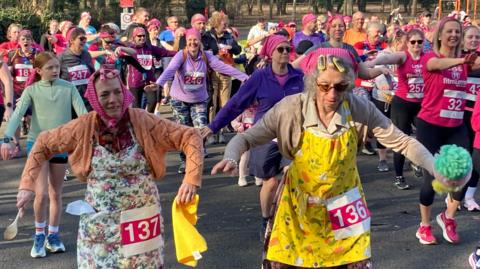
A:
{"points": [[266, 161]]}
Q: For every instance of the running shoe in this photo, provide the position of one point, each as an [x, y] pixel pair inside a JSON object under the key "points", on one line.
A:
{"points": [[368, 149], [242, 182], [38, 249], [211, 140], [382, 166], [54, 244], [471, 205], [417, 170], [258, 181], [449, 228], [181, 167], [221, 139], [425, 235], [400, 183], [474, 259]]}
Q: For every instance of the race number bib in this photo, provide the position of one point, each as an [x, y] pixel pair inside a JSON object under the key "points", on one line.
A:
{"points": [[22, 71], [473, 86], [453, 104], [140, 230], [367, 83], [349, 216], [78, 74], [415, 88], [146, 61], [193, 80]]}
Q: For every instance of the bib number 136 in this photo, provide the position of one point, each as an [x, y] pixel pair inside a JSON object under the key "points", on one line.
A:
{"points": [[348, 215]]}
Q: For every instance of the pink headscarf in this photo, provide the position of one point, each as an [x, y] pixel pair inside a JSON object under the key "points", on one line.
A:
{"points": [[198, 17], [308, 18], [85, 14], [25, 32], [331, 19], [271, 43], [91, 94], [153, 23], [309, 63], [193, 32], [138, 30]]}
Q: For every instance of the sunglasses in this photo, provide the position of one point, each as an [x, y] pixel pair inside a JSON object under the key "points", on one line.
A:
{"points": [[83, 38], [419, 42], [284, 49], [141, 36], [340, 88], [108, 41]]}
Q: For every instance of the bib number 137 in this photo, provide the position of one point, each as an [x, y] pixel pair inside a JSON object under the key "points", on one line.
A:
{"points": [[140, 230]]}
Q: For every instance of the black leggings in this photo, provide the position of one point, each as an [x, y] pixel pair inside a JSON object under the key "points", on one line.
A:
{"points": [[2, 112], [433, 137], [385, 109], [471, 136], [403, 116], [151, 98], [476, 162]]}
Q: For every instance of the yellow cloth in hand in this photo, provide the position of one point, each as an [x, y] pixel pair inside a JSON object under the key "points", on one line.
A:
{"points": [[189, 243]]}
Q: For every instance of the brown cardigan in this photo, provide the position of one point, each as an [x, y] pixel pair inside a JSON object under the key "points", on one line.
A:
{"points": [[155, 135]]}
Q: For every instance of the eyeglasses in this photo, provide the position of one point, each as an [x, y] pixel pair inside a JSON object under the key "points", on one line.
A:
{"points": [[141, 36], [340, 88], [419, 42], [284, 49]]}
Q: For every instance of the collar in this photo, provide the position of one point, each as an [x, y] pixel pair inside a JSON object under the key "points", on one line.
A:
{"points": [[47, 82], [292, 72], [338, 121]]}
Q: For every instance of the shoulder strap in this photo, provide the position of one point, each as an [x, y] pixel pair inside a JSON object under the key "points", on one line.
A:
{"points": [[11, 56], [205, 59]]}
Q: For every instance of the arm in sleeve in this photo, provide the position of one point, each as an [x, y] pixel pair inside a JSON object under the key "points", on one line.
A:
{"points": [[236, 49], [23, 105], [77, 102], [161, 52], [236, 105], [173, 136], [389, 135], [261, 133], [225, 69], [47, 144], [134, 63], [172, 68]]}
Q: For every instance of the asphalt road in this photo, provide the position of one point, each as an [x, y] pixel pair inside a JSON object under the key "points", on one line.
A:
{"points": [[229, 219]]}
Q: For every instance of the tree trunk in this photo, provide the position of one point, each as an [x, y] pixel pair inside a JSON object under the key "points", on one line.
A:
{"points": [[260, 7], [82, 4], [270, 11], [414, 8], [294, 12]]}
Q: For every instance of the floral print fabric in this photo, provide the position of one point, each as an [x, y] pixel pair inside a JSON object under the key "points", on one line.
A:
{"points": [[117, 182]]}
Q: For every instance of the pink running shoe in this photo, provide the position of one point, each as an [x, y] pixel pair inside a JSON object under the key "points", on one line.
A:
{"points": [[471, 205], [425, 235], [449, 228]]}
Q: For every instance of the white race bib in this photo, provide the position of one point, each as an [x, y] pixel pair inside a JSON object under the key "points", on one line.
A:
{"points": [[453, 104], [79, 74], [193, 80], [145, 60], [140, 230], [22, 71]]}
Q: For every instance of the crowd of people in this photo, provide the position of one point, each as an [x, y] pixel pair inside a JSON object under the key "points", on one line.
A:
{"points": [[302, 100]]}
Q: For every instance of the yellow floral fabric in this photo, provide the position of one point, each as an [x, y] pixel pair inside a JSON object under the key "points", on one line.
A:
{"points": [[324, 168]]}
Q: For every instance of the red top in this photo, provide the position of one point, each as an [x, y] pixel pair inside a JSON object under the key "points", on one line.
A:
{"points": [[368, 52], [60, 45], [21, 67], [410, 80], [444, 100], [5, 47]]}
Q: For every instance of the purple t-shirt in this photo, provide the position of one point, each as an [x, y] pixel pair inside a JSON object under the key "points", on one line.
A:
{"points": [[282, 79], [315, 38]]}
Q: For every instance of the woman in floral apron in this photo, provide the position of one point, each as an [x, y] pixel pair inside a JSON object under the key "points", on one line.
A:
{"points": [[322, 219], [118, 151]]}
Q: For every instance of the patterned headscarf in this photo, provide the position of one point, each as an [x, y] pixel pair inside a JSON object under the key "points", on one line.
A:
{"points": [[91, 94]]}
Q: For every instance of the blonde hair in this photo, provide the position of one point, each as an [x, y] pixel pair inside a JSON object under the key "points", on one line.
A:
{"points": [[217, 18], [10, 28]]}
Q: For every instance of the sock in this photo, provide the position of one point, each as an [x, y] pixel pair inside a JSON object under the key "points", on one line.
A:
{"points": [[40, 227], [470, 192], [52, 229]]}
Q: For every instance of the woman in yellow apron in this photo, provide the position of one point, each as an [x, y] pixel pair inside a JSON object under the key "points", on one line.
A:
{"points": [[322, 219]]}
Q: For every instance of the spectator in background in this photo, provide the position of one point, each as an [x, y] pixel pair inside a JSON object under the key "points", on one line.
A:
{"points": [[256, 35], [84, 23], [356, 33], [424, 21], [140, 18], [59, 40], [348, 22], [47, 38], [167, 37], [322, 25], [308, 31], [198, 22]]}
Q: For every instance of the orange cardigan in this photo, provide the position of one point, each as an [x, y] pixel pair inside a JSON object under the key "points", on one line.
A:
{"points": [[155, 135]]}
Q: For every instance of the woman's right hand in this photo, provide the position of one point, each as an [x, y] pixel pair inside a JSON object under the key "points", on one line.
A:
{"points": [[6, 151], [205, 132], [225, 166], [23, 197]]}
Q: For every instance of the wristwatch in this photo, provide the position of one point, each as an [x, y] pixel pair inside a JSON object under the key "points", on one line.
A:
{"points": [[9, 104], [6, 140]]}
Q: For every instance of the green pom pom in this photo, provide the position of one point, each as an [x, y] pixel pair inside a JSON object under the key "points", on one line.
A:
{"points": [[453, 162]]}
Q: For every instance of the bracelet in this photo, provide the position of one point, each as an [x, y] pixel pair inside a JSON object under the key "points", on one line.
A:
{"points": [[232, 161]]}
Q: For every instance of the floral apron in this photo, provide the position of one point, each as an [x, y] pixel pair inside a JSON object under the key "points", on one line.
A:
{"points": [[322, 219], [126, 231]]}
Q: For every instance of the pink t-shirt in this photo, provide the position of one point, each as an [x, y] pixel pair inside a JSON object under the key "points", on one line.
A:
{"points": [[282, 79], [444, 94], [410, 80]]}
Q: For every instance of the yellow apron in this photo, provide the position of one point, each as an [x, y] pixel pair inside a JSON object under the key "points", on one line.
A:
{"points": [[322, 219]]}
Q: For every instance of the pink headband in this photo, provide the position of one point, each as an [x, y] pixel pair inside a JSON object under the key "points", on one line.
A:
{"points": [[198, 17], [137, 31], [308, 18], [91, 94], [25, 33], [192, 32], [332, 18], [270, 44], [105, 35], [85, 14], [445, 20]]}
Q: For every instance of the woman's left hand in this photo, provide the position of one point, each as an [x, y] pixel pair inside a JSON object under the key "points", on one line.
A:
{"points": [[186, 192]]}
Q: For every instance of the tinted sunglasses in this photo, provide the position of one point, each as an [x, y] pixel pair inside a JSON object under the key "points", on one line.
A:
{"points": [[419, 42], [140, 35], [283, 49], [83, 38], [341, 87]]}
